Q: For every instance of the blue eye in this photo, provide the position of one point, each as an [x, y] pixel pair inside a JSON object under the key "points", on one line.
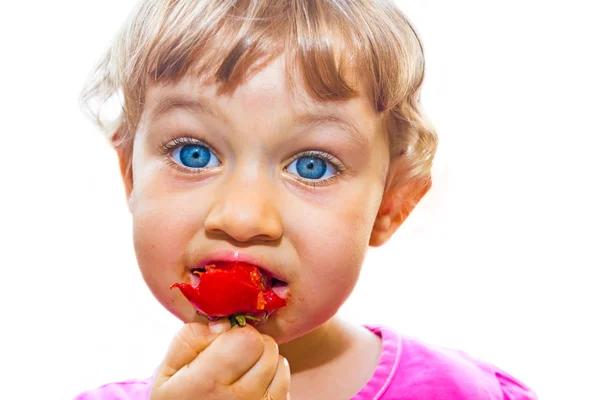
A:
{"points": [[195, 156], [312, 167]]}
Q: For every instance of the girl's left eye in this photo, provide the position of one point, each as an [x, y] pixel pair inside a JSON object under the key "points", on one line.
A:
{"points": [[194, 156], [312, 167]]}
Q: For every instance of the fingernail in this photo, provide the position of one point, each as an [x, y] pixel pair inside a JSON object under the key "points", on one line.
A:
{"points": [[217, 327], [288, 397]]}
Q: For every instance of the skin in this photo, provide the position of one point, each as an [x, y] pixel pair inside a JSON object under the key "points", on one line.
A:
{"points": [[309, 235]]}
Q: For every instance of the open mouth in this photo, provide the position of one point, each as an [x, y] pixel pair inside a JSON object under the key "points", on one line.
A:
{"points": [[268, 280], [237, 290]]}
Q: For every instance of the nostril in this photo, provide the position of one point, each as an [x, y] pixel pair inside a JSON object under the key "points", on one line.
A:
{"points": [[243, 218]]}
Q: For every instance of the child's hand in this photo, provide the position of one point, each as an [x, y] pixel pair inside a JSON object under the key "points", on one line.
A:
{"points": [[214, 362]]}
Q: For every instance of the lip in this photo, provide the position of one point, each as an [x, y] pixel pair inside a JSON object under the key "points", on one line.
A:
{"points": [[225, 256]]}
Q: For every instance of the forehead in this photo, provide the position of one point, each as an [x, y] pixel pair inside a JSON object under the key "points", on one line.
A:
{"points": [[265, 97]]}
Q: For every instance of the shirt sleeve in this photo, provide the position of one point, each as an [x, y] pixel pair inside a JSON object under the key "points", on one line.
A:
{"points": [[512, 389], [126, 390]]}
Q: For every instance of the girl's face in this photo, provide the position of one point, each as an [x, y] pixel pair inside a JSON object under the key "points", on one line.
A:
{"points": [[258, 175]]}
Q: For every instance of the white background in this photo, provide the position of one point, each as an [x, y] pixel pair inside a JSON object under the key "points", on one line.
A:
{"points": [[499, 260]]}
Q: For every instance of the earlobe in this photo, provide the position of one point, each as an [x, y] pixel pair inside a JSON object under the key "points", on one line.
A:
{"points": [[397, 204], [383, 223]]}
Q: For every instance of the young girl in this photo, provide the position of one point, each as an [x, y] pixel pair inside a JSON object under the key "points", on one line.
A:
{"points": [[286, 135]]}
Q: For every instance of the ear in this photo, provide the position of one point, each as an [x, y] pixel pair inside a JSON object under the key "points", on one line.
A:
{"points": [[124, 149], [398, 201]]}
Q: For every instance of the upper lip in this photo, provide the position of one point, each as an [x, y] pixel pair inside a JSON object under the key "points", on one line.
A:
{"points": [[237, 256]]}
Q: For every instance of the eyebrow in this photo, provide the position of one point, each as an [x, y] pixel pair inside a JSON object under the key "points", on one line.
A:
{"points": [[195, 106], [346, 124], [203, 106]]}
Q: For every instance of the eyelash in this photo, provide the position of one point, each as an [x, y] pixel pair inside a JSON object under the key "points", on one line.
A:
{"points": [[337, 164], [166, 148]]}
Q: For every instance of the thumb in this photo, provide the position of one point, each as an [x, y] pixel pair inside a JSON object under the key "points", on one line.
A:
{"points": [[190, 341]]}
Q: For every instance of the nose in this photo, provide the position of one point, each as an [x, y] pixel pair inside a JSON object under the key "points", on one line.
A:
{"points": [[245, 213]]}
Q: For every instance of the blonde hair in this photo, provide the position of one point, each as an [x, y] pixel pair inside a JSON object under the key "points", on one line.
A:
{"points": [[326, 42]]}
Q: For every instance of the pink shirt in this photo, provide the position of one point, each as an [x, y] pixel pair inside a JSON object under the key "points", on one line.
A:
{"points": [[407, 370]]}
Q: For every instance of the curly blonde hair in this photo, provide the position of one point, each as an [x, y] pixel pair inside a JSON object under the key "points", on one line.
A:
{"points": [[325, 42]]}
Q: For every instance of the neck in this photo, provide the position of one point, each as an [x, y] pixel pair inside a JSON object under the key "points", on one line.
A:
{"points": [[322, 346], [320, 361]]}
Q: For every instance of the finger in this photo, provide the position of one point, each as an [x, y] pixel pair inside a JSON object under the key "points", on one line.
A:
{"points": [[279, 388], [257, 379], [191, 340], [229, 357]]}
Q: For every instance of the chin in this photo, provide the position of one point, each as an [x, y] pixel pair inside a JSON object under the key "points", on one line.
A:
{"points": [[284, 330], [277, 333]]}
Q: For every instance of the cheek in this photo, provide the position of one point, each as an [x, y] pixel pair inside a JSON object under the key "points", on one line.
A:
{"points": [[162, 216], [162, 229], [333, 246], [163, 225]]}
